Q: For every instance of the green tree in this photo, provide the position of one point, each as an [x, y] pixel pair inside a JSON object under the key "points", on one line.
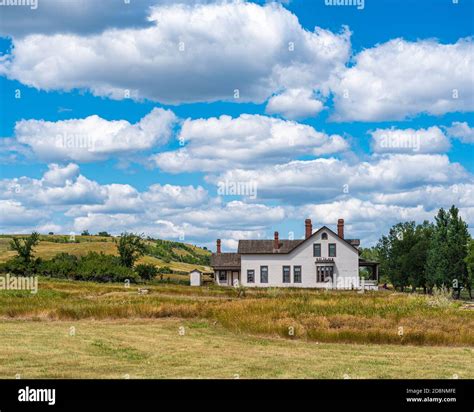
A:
{"points": [[418, 256], [104, 234], [393, 251], [403, 254], [469, 259], [437, 264], [458, 240], [24, 247], [130, 247], [446, 266]]}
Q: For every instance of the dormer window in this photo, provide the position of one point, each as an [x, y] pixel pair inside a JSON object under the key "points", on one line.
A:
{"points": [[324, 236]]}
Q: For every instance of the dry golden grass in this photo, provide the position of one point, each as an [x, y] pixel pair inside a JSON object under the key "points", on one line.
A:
{"points": [[311, 315], [155, 349]]}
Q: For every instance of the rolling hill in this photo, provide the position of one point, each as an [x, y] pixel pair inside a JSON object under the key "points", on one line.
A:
{"points": [[181, 258]]}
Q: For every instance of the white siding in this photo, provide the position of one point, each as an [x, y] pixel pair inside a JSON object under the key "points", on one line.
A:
{"points": [[346, 265], [195, 278]]}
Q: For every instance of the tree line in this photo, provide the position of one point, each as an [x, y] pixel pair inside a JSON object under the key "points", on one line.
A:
{"points": [[427, 255]]}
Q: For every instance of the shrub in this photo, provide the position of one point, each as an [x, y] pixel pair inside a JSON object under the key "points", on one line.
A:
{"points": [[17, 266], [165, 270], [441, 298], [103, 268], [62, 265], [146, 271]]}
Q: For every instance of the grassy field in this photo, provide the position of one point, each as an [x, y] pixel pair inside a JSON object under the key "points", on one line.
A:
{"points": [[323, 316], [154, 348], [179, 331]]}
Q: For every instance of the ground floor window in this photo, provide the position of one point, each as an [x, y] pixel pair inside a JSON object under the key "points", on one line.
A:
{"points": [[324, 273], [286, 274], [297, 274], [250, 276], [222, 276], [263, 274]]}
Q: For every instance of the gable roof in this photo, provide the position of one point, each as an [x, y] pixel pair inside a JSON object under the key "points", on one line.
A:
{"points": [[266, 246], [286, 246], [225, 260]]}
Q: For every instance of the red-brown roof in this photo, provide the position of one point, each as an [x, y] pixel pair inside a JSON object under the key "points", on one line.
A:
{"points": [[225, 260]]}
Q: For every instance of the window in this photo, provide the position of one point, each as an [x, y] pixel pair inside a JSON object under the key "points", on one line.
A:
{"points": [[332, 250], [317, 250], [263, 274], [324, 236], [222, 276], [250, 276], [324, 273], [297, 274], [286, 274]]}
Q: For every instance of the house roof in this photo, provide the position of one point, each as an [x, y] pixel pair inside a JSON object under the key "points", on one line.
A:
{"points": [[266, 246], [363, 261], [225, 260], [286, 246], [353, 242]]}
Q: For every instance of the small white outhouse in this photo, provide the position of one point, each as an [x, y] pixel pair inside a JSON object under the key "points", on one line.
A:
{"points": [[195, 277]]}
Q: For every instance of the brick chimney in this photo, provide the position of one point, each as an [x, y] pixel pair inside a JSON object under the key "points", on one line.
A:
{"points": [[218, 243], [276, 244], [340, 228], [308, 228]]}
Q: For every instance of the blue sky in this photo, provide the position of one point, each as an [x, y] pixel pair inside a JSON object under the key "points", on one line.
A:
{"points": [[127, 124]]}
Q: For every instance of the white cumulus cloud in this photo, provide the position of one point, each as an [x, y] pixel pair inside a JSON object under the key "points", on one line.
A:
{"points": [[461, 131], [430, 140], [94, 138], [200, 52], [248, 141], [295, 104], [320, 180], [401, 79]]}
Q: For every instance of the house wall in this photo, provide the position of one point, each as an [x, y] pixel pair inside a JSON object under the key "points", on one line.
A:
{"points": [[346, 265]]}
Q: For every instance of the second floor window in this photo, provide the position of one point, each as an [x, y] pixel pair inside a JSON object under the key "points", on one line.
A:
{"points": [[317, 250], [250, 276], [286, 274], [332, 250], [263, 274], [297, 274]]}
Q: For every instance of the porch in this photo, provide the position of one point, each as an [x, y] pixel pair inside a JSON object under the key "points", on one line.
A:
{"points": [[369, 276], [227, 277]]}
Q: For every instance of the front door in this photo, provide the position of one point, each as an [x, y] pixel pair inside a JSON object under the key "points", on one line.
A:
{"points": [[234, 277]]}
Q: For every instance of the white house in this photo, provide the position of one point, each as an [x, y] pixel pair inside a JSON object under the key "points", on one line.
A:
{"points": [[324, 259]]}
